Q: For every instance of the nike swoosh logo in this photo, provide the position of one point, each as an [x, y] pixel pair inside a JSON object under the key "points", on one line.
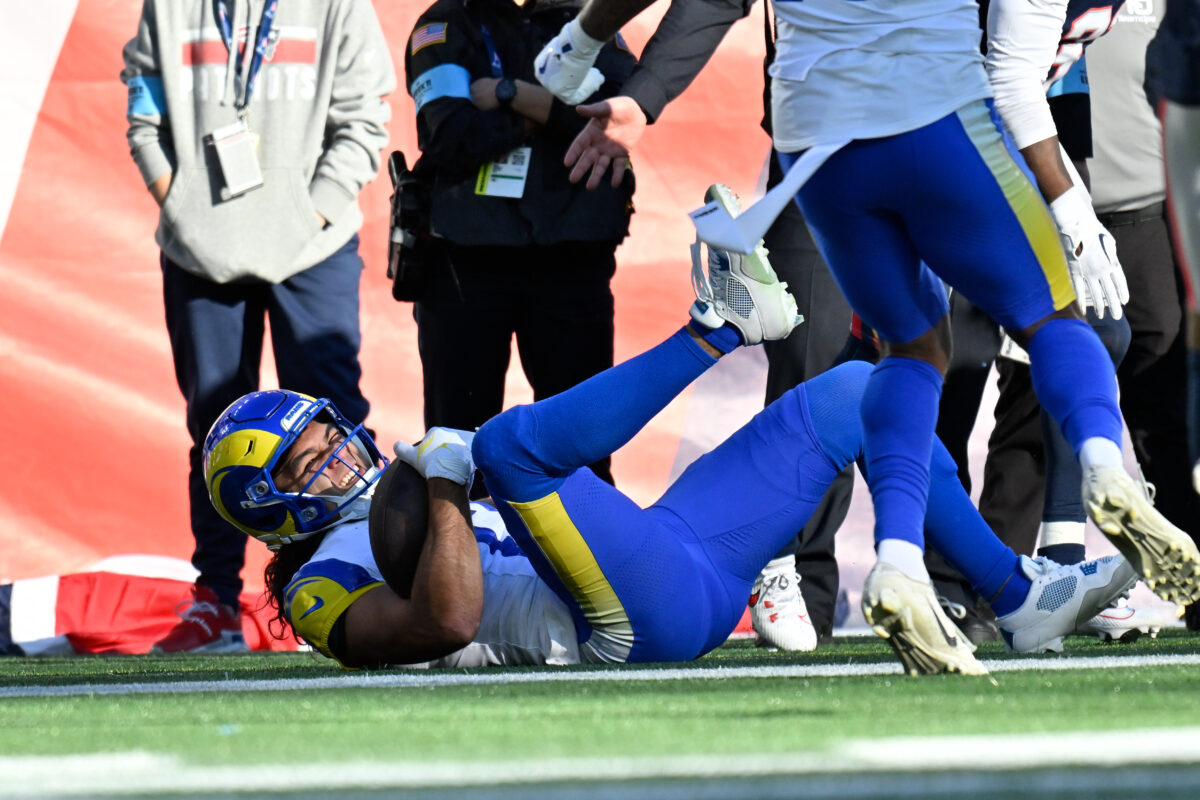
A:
{"points": [[950, 640], [320, 602]]}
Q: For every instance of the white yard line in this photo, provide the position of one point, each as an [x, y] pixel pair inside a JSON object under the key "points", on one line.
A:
{"points": [[146, 773], [427, 679]]}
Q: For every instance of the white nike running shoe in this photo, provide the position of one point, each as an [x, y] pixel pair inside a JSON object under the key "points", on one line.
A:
{"points": [[1121, 623], [906, 613], [1163, 555], [741, 290], [778, 612], [1061, 599]]}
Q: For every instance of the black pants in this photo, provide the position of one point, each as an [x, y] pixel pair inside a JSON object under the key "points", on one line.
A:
{"points": [[555, 299], [1153, 376], [810, 350]]}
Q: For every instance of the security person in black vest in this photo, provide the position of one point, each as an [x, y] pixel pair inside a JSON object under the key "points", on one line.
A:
{"points": [[518, 248]]}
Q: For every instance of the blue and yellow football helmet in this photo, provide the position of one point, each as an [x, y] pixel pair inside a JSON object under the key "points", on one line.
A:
{"points": [[246, 446]]}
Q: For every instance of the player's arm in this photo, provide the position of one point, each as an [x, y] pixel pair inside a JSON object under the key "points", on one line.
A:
{"points": [[1023, 52], [447, 595], [1022, 44]]}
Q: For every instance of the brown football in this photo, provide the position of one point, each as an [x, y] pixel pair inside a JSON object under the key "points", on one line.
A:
{"points": [[398, 522]]}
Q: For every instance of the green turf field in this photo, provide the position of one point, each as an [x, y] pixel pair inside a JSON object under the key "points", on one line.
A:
{"points": [[1100, 721]]}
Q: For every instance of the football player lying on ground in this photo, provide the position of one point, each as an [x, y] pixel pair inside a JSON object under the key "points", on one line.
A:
{"points": [[562, 568]]}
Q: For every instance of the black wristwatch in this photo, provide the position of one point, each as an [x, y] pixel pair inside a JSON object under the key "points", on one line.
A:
{"points": [[506, 90]]}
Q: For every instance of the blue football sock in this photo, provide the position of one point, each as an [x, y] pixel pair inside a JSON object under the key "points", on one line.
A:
{"points": [[1075, 381], [899, 414], [725, 338], [954, 529]]}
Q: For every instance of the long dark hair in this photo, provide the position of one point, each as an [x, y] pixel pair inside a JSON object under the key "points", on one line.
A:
{"points": [[279, 572]]}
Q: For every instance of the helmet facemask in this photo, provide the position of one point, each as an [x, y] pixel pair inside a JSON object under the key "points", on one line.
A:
{"points": [[283, 466], [336, 486]]}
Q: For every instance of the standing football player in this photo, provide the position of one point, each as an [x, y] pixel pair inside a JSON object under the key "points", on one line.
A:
{"points": [[888, 106]]}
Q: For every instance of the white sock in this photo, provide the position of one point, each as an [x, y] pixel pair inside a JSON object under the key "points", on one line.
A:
{"points": [[904, 556], [1063, 532], [1098, 451]]}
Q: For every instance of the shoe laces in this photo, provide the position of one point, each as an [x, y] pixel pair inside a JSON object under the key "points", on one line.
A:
{"points": [[198, 612], [955, 610], [781, 589]]}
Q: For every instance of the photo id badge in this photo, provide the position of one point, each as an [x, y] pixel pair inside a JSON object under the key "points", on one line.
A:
{"points": [[505, 177], [234, 145]]}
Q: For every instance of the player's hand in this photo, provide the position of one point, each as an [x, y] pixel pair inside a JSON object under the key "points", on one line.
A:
{"points": [[443, 453], [616, 126], [565, 65], [1091, 255]]}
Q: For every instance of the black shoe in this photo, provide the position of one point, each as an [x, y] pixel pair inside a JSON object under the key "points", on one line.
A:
{"points": [[973, 616]]}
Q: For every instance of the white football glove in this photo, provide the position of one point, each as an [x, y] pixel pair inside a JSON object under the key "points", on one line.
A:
{"points": [[565, 65], [1091, 254], [443, 453]]}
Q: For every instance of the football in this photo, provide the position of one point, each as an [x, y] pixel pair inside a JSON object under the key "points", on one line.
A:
{"points": [[398, 521]]}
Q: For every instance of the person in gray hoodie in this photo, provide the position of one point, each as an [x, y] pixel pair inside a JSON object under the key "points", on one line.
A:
{"points": [[255, 124]]}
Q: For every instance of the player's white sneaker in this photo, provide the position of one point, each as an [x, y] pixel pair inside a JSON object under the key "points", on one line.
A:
{"points": [[1121, 623], [741, 290], [1163, 555], [906, 613], [777, 609], [1063, 597]]}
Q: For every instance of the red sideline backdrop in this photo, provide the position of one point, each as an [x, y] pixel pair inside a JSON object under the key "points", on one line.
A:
{"points": [[91, 422]]}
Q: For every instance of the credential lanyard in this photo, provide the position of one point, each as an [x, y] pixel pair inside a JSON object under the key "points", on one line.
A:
{"points": [[265, 25], [490, 44]]}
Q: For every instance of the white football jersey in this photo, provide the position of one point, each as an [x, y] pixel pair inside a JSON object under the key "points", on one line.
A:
{"points": [[523, 621], [862, 69]]}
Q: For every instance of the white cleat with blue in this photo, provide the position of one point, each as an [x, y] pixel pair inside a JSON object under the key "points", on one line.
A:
{"points": [[741, 290], [1062, 598]]}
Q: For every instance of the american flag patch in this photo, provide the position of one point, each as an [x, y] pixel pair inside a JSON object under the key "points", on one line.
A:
{"points": [[433, 33]]}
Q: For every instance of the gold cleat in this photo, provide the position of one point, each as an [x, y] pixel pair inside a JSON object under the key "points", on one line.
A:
{"points": [[1163, 555], [906, 613]]}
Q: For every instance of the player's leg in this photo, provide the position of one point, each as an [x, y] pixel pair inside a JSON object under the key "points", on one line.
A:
{"points": [[580, 533], [1037, 601], [991, 237], [605, 557], [1063, 514], [870, 255], [851, 204]]}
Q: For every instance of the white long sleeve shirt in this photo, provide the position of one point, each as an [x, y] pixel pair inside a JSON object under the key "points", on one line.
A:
{"points": [[1031, 44]]}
